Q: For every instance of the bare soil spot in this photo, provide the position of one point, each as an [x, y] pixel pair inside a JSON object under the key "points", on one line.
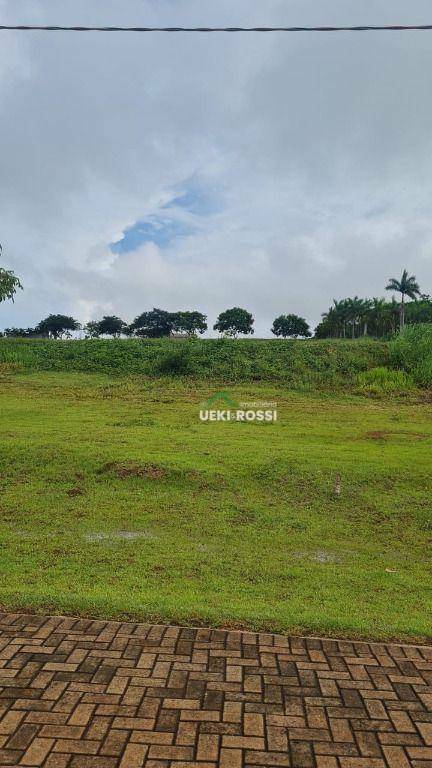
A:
{"points": [[75, 492], [382, 434], [377, 435], [244, 517], [123, 471]]}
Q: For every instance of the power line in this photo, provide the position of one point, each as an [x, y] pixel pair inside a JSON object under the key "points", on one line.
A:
{"points": [[387, 28]]}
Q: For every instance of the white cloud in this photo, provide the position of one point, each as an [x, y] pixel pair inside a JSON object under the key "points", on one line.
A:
{"points": [[318, 148]]}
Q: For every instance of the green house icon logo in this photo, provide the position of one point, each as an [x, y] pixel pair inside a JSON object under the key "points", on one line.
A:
{"points": [[220, 400]]}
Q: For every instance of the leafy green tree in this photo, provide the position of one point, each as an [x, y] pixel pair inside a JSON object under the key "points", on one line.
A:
{"points": [[291, 325], [56, 326], [20, 333], [154, 324], [92, 329], [190, 323], [9, 283], [110, 325], [234, 321], [406, 286]]}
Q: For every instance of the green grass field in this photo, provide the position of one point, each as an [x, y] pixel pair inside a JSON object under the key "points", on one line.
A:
{"points": [[117, 502]]}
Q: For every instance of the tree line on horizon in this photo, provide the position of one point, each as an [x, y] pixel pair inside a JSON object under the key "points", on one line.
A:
{"points": [[346, 318], [158, 323]]}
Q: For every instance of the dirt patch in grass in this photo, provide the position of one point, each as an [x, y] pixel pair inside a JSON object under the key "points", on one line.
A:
{"points": [[123, 471], [381, 434], [377, 435], [244, 517], [75, 492], [155, 472]]}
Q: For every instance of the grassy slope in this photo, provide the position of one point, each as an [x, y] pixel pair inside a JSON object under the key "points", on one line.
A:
{"points": [[238, 525], [298, 363]]}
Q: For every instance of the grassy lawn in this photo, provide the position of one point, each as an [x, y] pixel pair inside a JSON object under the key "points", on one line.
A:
{"points": [[116, 501]]}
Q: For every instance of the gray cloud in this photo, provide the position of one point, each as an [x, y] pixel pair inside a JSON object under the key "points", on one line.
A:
{"points": [[318, 149]]}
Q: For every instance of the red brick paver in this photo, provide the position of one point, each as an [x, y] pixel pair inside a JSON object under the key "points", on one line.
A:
{"points": [[92, 694]]}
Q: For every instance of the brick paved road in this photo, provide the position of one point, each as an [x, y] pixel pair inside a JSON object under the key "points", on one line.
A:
{"points": [[94, 694]]}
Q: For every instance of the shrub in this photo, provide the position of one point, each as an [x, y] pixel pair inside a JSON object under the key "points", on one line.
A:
{"points": [[176, 362]]}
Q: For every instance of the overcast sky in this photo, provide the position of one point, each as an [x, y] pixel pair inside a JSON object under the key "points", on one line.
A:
{"points": [[273, 172]]}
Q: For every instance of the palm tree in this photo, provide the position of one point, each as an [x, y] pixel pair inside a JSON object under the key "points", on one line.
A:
{"points": [[354, 312], [343, 309], [378, 315], [365, 315], [407, 286], [393, 314], [334, 319]]}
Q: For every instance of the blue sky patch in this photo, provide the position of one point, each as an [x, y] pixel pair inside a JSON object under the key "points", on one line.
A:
{"points": [[154, 229], [179, 217]]}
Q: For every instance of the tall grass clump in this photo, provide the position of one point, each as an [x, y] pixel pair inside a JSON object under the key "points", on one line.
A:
{"points": [[384, 381], [411, 351]]}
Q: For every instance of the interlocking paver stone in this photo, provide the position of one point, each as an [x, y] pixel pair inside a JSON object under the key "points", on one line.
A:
{"points": [[76, 693]]}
